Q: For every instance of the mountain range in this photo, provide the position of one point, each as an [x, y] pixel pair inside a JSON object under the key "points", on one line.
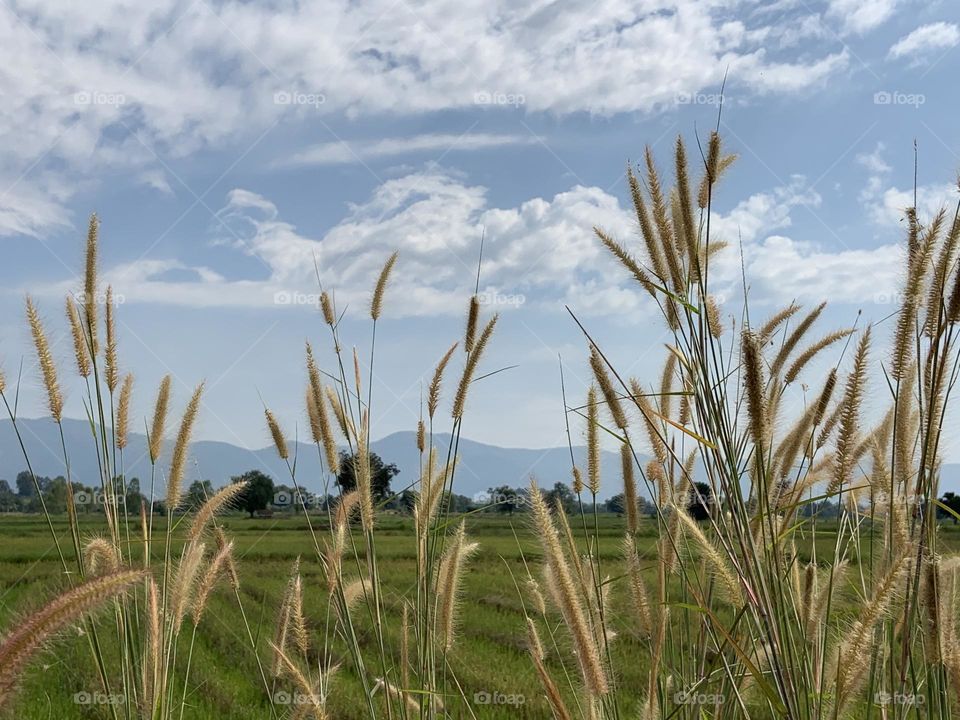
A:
{"points": [[481, 466]]}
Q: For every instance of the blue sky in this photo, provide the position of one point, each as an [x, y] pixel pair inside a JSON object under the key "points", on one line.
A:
{"points": [[227, 145]]}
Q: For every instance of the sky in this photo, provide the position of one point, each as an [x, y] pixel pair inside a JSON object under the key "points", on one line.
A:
{"points": [[234, 150]]}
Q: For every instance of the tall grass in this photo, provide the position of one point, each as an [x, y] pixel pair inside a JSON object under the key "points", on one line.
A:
{"points": [[730, 615], [736, 621], [153, 582]]}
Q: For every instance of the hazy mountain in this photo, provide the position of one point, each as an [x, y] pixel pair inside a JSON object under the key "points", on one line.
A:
{"points": [[481, 466]]}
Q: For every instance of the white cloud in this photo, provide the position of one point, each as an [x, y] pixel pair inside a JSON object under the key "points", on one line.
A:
{"points": [[343, 152], [926, 39], [103, 86], [542, 249], [886, 204], [861, 16], [874, 161]]}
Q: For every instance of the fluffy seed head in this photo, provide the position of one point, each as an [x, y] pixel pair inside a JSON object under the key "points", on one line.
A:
{"points": [[179, 461], [598, 365], [473, 315], [753, 380], [159, 419], [319, 419], [112, 372], [376, 304], [593, 441], [470, 368], [80, 350], [433, 395], [48, 368], [714, 322], [123, 411], [326, 306], [221, 500], [90, 281], [276, 434], [30, 635]]}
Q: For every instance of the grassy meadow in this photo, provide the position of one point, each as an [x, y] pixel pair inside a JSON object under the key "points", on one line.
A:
{"points": [[492, 657]]}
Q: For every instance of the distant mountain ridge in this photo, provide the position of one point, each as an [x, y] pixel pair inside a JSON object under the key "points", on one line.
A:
{"points": [[482, 466]]}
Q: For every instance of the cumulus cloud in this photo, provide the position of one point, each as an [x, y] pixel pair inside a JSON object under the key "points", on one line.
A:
{"points": [[541, 251], [926, 39], [886, 204], [108, 85], [861, 16]]}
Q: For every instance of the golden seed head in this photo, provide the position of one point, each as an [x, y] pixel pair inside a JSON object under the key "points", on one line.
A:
{"points": [[754, 382], [179, 461], [597, 364], [473, 315], [123, 411], [593, 441], [469, 369], [316, 406], [159, 419], [577, 480], [376, 304], [90, 281], [326, 306], [48, 368], [111, 372], [433, 394], [80, 350], [279, 441]]}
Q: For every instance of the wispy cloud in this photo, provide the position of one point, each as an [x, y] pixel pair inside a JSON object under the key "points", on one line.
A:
{"points": [[347, 152], [926, 39]]}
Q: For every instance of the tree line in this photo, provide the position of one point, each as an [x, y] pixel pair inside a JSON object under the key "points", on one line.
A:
{"points": [[264, 496]]}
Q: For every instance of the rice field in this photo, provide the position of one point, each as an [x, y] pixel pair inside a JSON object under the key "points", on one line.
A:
{"points": [[491, 659]]}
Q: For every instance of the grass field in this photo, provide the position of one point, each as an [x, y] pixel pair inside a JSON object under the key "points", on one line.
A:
{"points": [[490, 656]]}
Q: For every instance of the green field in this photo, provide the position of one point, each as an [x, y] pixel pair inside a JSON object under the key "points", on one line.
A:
{"points": [[490, 655]]}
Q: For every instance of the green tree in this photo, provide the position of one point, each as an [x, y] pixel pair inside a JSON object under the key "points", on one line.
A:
{"points": [[8, 500], [25, 486], [504, 499], [380, 475], [617, 504], [952, 501], [698, 506], [564, 495], [259, 491], [55, 495], [197, 494]]}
